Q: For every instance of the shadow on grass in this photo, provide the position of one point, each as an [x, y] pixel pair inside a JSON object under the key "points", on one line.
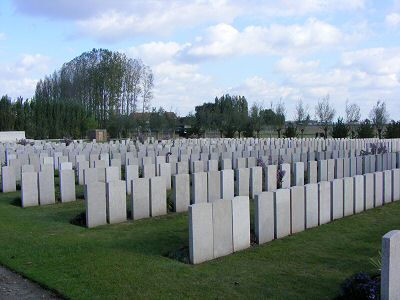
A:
{"points": [[17, 201], [181, 254], [79, 220]]}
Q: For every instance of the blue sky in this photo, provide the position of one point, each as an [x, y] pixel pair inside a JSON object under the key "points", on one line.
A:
{"points": [[265, 50]]}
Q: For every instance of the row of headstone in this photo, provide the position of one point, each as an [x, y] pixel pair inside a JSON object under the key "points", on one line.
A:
{"points": [[219, 228], [287, 211], [37, 188], [106, 201]]}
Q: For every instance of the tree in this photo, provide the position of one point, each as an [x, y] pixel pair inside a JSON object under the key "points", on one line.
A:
{"points": [[280, 117], [365, 130], [353, 116], [324, 113], [108, 84], [393, 130], [147, 86], [256, 119], [379, 116], [290, 131], [340, 129], [302, 117]]}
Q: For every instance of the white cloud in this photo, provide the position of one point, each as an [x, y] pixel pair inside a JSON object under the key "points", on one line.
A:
{"points": [[374, 60], [19, 78], [223, 39], [290, 65], [119, 19], [161, 18], [2, 36], [156, 52], [393, 20], [181, 87]]}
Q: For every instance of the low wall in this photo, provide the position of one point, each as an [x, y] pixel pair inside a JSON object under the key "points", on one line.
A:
{"points": [[11, 136]]}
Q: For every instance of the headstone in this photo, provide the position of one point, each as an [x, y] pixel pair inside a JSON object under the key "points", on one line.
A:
{"points": [[390, 275], [348, 196], [346, 167], [286, 177], [67, 185], [8, 180], [158, 197], [396, 184], [242, 184], [324, 199], [222, 224], [112, 174], [322, 170], [90, 175], [330, 169], [227, 184], [339, 168], [140, 198], [298, 174], [131, 172], [312, 172], [201, 235], [358, 194], [95, 200], [46, 188], [378, 189], [212, 165], [164, 170], [264, 222], [82, 165], [240, 223], [270, 178], [226, 164], [311, 201], [27, 168], [197, 166], [199, 187], [297, 208], [29, 189], [387, 186], [116, 201], [213, 186], [282, 213], [255, 181], [369, 190], [337, 199], [149, 170], [181, 192]]}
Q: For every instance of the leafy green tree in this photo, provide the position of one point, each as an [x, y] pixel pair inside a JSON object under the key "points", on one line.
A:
{"points": [[290, 131], [255, 121], [7, 114], [108, 84], [392, 130], [340, 129], [365, 130]]}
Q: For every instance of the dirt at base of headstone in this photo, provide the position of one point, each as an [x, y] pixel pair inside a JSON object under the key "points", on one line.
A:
{"points": [[14, 287]]}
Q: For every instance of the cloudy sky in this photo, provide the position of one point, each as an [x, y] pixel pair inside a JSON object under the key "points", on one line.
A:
{"points": [[264, 50]]}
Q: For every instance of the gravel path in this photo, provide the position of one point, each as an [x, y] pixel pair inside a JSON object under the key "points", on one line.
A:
{"points": [[15, 287]]}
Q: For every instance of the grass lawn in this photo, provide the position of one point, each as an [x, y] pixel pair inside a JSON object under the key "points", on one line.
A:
{"points": [[127, 261]]}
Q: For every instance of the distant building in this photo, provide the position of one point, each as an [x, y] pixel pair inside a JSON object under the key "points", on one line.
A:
{"points": [[100, 135], [11, 136]]}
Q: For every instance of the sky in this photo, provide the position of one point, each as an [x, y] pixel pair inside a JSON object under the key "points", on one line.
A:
{"points": [[267, 51]]}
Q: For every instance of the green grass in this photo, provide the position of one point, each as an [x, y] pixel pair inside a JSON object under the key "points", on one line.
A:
{"points": [[127, 261]]}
